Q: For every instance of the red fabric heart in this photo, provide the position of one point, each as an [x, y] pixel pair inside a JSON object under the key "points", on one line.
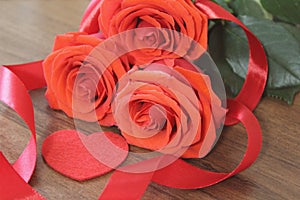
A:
{"points": [[82, 157]]}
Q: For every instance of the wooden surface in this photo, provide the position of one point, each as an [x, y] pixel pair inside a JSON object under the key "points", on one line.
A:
{"points": [[27, 32]]}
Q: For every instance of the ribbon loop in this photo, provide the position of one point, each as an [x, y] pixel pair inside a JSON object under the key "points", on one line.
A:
{"points": [[31, 74], [186, 176], [12, 186], [257, 74], [14, 93], [182, 175]]}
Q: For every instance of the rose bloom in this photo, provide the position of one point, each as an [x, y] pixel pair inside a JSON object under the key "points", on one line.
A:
{"points": [[78, 80], [117, 16], [170, 110]]}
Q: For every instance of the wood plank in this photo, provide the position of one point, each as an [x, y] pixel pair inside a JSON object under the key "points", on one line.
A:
{"points": [[27, 32]]}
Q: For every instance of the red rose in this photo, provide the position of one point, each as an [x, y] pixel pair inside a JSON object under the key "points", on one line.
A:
{"points": [[169, 110], [79, 82], [117, 16]]}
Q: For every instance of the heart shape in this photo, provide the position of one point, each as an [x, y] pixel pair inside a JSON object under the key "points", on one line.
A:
{"points": [[83, 157]]}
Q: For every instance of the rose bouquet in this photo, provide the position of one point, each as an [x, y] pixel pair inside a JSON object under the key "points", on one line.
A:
{"points": [[149, 41]]}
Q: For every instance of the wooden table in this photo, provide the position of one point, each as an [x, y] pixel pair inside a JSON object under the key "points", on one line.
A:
{"points": [[27, 32]]}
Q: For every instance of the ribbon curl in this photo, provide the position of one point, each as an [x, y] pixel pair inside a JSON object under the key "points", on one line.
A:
{"points": [[13, 92], [257, 74]]}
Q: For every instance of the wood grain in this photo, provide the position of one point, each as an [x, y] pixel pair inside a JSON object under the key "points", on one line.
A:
{"points": [[27, 32]]}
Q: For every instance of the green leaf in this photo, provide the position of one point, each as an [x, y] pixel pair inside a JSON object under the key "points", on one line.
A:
{"points": [[286, 94], [282, 47], [295, 31], [286, 10], [249, 7], [224, 4], [283, 51], [218, 52]]}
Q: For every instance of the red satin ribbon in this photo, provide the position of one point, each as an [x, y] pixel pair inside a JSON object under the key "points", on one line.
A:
{"points": [[185, 176], [12, 186], [13, 92], [31, 74], [182, 175], [257, 74], [124, 185], [89, 22]]}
